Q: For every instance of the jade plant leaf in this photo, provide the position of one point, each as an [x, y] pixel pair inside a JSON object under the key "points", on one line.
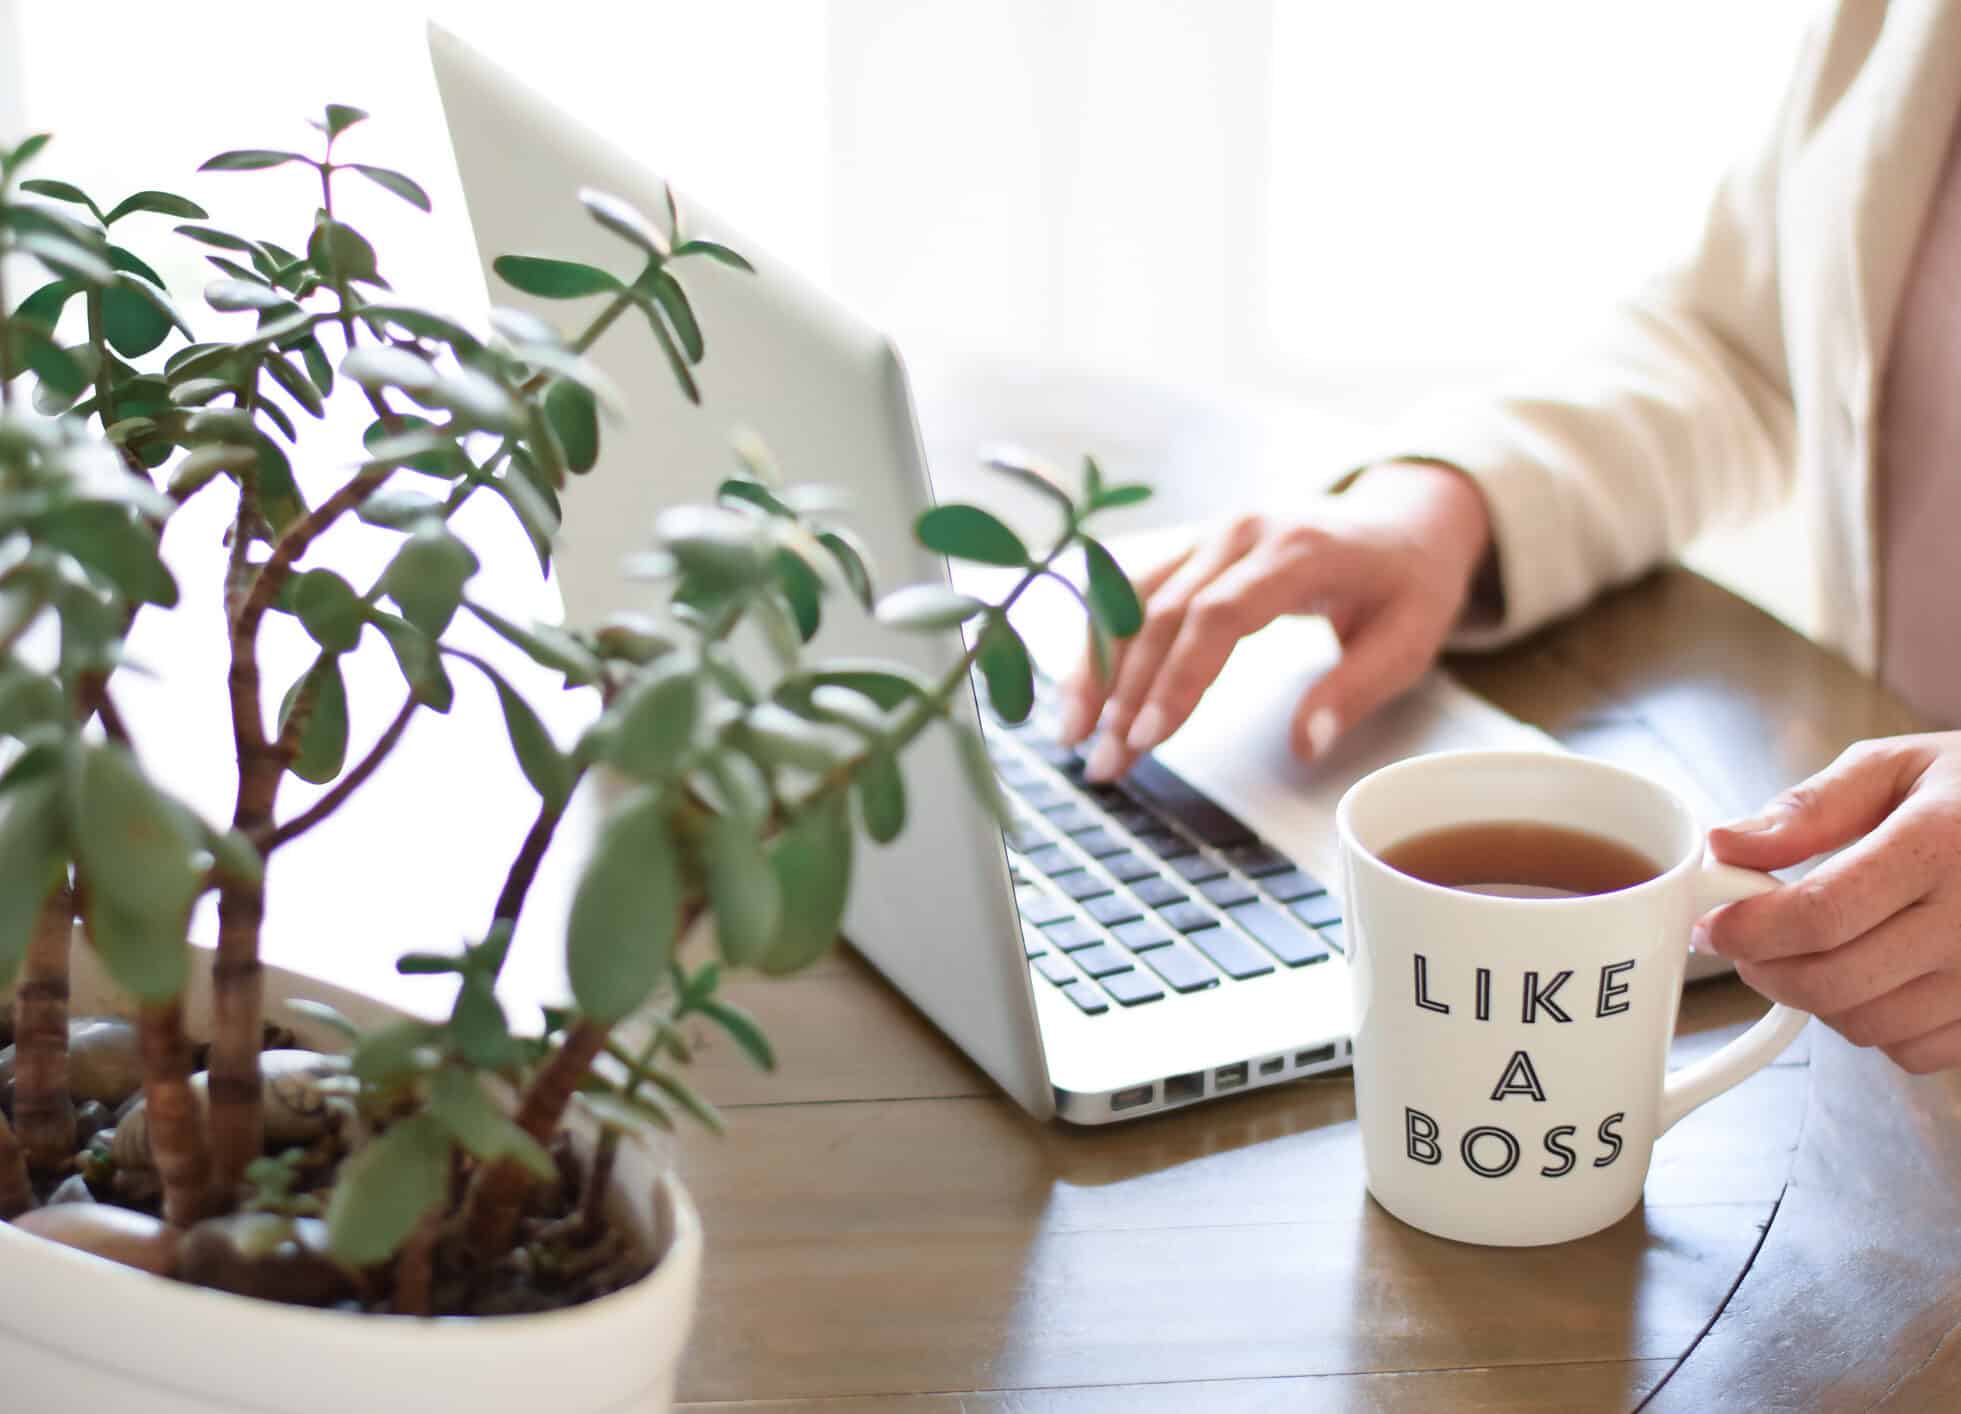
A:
{"points": [[323, 737], [1111, 597], [385, 1189], [554, 279], [625, 911], [812, 863], [742, 890]]}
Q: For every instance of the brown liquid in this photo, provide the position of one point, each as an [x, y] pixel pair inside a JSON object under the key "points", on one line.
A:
{"points": [[1521, 859]]}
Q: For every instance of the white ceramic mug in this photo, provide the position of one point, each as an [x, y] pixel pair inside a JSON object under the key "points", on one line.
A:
{"points": [[1511, 1053]]}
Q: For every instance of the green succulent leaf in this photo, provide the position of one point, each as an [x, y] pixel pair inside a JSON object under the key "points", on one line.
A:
{"points": [[673, 301], [397, 183], [223, 240], [144, 953], [67, 259], [162, 202], [477, 399], [886, 685], [341, 117], [625, 912], [882, 796], [64, 191], [395, 1051], [323, 738], [1111, 597], [812, 863], [1118, 497], [574, 417], [656, 721], [329, 608], [379, 366], [30, 863], [387, 1188], [138, 845], [1004, 663], [458, 1103], [742, 890], [545, 645], [111, 541], [716, 547], [927, 607], [339, 252], [970, 533], [1026, 471], [853, 562], [742, 1028], [250, 159], [44, 306], [297, 385], [547, 768], [231, 296], [676, 362], [417, 656], [623, 220], [554, 279], [427, 575], [717, 252], [802, 590], [137, 316], [53, 365], [979, 767]]}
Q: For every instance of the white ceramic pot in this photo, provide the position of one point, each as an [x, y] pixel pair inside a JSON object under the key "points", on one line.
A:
{"points": [[81, 1333]]}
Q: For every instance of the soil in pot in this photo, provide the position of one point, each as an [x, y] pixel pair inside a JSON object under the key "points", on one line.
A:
{"points": [[106, 1199]]}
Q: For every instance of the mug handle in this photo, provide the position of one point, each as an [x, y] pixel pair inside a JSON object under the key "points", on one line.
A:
{"points": [[1693, 1085]]}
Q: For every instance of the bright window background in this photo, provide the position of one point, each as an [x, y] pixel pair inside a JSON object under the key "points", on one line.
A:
{"points": [[1321, 204]]}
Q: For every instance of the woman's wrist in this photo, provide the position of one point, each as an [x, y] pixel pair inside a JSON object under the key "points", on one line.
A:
{"points": [[1450, 515]]}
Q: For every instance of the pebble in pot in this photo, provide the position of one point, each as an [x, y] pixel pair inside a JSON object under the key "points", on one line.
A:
{"points": [[298, 1109], [134, 1239], [104, 1063], [268, 1256]]}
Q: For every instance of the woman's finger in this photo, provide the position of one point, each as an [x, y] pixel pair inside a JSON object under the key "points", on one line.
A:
{"points": [[1834, 807], [1939, 1049], [1912, 943], [1927, 1003], [1380, 658], [1085, 691], [1894, 866], [1164, 617]]}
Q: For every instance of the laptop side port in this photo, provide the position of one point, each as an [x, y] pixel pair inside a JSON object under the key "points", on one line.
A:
{"points": [[1133, 1097], [1229, 1077], [1189, 1086], [1320, 1055], [1273, 1066]]}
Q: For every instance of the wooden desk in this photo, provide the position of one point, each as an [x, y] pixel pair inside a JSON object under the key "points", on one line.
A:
{"points": [[887, 1234]]}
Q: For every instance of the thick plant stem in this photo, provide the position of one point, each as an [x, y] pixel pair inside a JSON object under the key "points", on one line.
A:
{"points": [[176, 1132], [238, 1006], [490, 1213], [415, 1270], [16, 1193], [44, 1114]]}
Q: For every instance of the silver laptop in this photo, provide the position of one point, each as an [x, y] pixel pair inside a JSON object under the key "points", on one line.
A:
{"points": [[1121, 950]]}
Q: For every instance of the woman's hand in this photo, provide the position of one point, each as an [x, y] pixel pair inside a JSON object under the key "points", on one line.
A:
{"points": [[1390, 563], [1870, 941]]}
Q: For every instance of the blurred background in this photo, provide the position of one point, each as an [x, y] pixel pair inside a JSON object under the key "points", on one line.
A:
{"points": [[1216, 237]]}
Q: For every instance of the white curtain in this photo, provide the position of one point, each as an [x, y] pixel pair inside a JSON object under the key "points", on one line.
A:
{"points": [[1329, 204]]}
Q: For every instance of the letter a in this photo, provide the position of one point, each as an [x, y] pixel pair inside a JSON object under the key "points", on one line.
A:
{"points": [[1519, 1079]]}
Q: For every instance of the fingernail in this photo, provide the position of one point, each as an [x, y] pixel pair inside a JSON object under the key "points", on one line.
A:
{"points": [[1751, 825], [1322, 729], [1148, 730], [1078, 720], [1106, 760], [1699, 940]]}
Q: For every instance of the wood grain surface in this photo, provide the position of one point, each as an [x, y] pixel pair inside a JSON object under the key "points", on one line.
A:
{"points": [[888, 1234]]}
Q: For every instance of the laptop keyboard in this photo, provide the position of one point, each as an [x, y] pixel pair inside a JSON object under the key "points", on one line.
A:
{"points": [[1145, 890]]}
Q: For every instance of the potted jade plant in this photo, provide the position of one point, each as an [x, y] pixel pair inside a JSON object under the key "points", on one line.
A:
{"points": [[227, 1186]]}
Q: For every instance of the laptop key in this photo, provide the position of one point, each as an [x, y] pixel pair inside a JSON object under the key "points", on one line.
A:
{"points": [[1257, 860], [1026, 836], [1188, 917], [1141, 935], [1335, 937], [1320, 910], [1184, 969], [1228, 891], [1280, 935], [1237, 957], [1043, 796], [1101, 960], [1085, 995], [1133, 818], [1080, 884], [1129, 868], [1113, 908], [1158, 892], [1133, 988], [1052, 859], [1039, 906], [1073, 820], [1055, 969], [1100, 844], [1292, 885], [1159, 787], [1053, 752], [1164, 844], [1071, 933], [1015, 772], [1198, 868], [1033, 943]]}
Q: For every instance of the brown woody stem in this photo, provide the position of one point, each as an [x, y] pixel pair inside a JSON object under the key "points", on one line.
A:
{"points": [[333, 799], [415, 1269], [490, 1212], [16, 1193], [176, 1135], [44, 1114]]}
